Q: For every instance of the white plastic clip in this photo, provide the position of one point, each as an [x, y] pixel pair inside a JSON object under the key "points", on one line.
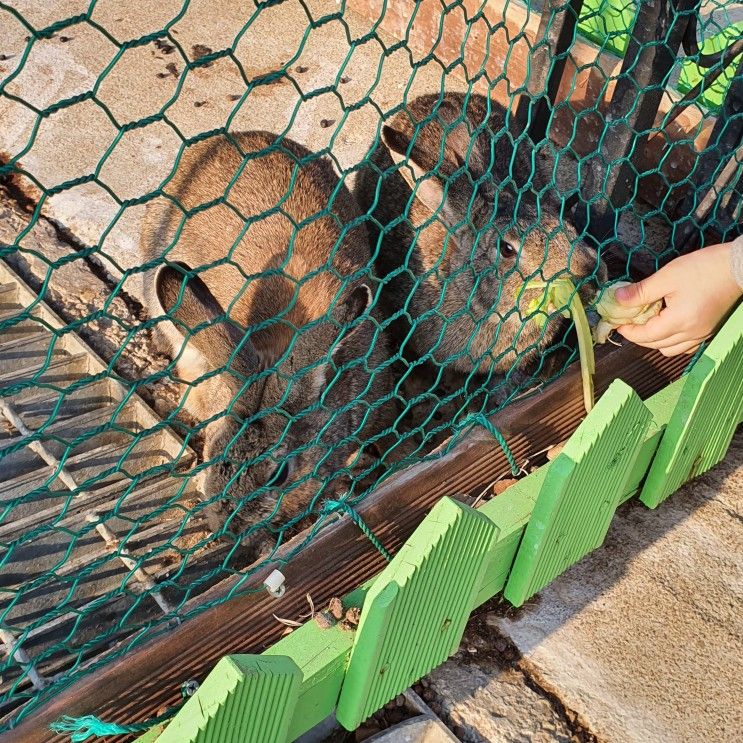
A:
{"points": [[275, 584]]}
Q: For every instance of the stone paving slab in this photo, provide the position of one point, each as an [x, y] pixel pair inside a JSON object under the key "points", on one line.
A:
{"points": [[301, 37], [644, 638], [483, 699]]}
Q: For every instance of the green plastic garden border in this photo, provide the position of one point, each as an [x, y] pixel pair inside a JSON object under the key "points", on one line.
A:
{"points": [[691, 74], [414, 612], [607, 24]]}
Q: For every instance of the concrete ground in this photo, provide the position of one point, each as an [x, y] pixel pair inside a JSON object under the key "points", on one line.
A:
{"points": [[373, 77], [640, 642]]}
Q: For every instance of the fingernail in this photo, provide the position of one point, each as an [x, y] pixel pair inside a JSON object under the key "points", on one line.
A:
{"points": [[621, 293]]}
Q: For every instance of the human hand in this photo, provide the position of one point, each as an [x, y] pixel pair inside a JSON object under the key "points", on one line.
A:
{"points": [[698, 290]]}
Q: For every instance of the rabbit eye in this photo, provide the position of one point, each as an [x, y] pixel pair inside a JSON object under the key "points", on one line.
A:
{"points": [[507, 249], [279, 475]]}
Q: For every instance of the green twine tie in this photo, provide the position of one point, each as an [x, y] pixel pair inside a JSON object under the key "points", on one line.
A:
{"points": [[337, 505], [693, 360], [90, 726], [482, 420]]}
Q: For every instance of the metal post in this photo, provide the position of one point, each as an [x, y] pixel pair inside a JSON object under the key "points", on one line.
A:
{"points": [[718, 167], [609, 180], [546, 65]]}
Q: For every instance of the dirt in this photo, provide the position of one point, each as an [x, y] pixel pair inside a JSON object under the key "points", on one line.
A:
{"points": [[335, 607]]}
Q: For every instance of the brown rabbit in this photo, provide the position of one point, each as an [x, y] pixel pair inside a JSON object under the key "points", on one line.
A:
{"points": [[456, 254], [272, 305]]}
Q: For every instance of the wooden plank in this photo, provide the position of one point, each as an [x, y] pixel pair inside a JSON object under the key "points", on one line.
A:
{"points": [[510, 512], [661, 406], [148, 678], [151, 735], [149, 418]]}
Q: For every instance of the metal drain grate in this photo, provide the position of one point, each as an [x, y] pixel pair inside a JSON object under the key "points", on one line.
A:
{"points": [[95, 502]]}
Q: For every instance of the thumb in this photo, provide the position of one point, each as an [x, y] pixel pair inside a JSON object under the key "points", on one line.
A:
{"points": [[643, 292]]}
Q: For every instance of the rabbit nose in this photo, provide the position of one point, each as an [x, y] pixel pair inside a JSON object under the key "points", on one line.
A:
{"points": [[592, 281], [588, 291]]}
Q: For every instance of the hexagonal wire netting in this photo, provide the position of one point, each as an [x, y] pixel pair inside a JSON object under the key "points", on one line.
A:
{"points": [[304, 233]]}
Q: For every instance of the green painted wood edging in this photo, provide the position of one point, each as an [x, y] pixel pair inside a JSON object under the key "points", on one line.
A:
{"points": [[607, 23], [245, 698], [152, 734], [709, 408], [713, 96], [580, 492], [688, 427], [322, 657], [415, 612]]}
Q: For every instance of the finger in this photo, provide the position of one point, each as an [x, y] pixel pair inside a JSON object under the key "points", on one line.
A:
{"points": [[656, 329], [688, 347], [672, 340], [648, 290]]}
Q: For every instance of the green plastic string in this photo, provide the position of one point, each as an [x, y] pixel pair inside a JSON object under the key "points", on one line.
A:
{"points": [[331, 506], [83, 728], [695, 357], [90, 726], [482, 420]]}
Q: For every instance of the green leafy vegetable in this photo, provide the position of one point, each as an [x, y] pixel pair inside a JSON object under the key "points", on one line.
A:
{"points": [[561, 295]]}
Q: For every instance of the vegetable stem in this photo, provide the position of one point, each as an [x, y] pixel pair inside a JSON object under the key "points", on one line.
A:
{"points": [[562, 294]]}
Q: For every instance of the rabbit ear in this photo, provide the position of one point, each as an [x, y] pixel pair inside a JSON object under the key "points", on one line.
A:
{"points": [[425, 172], [187, 299], [355, 304], [427, 188]]}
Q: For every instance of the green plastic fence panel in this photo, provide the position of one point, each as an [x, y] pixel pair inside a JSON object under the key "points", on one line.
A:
{"points": [[510, 513], [322, 654], [151, 735], [661, 406], [607, 23], [580, 493], [691, 74], [709, 409], [245, 699], [415, 613]]}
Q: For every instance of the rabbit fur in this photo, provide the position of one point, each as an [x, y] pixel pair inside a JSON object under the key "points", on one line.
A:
{"points": [[455, 254], [245, 249]]}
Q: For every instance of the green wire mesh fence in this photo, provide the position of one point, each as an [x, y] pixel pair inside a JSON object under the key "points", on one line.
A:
{"points": [[312, 227]]}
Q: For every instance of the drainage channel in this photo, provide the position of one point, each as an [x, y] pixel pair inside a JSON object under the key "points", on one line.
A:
{"points": [[96, 504]]}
